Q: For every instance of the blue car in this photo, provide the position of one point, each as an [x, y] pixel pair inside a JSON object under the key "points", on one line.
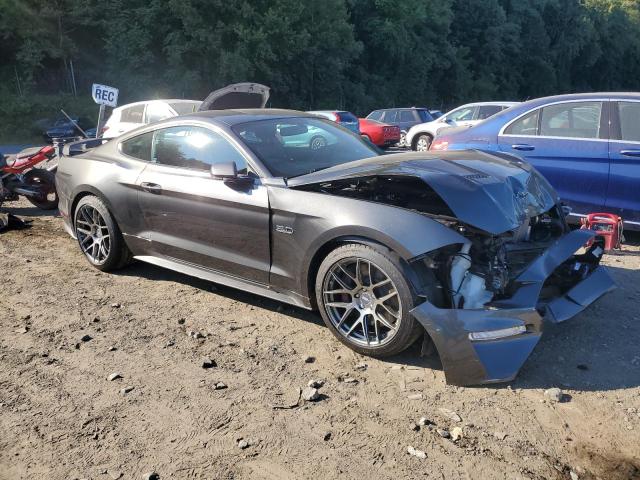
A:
{"points": [[586, 145], [63, 128]]}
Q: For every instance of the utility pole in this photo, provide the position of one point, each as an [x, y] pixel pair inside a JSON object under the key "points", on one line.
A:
{"points": [[73, 78], [15, 69]]}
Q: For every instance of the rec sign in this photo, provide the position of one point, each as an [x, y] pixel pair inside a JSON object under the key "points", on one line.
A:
{"points": [[104, 95]]}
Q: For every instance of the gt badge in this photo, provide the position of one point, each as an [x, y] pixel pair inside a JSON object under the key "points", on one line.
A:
{"points": [[284, 229]]}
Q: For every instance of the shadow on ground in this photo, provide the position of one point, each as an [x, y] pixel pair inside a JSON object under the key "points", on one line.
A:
{"points": [[28, 211], [595, 351]]}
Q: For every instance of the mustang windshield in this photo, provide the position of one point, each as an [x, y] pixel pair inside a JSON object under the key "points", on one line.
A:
{"points": [[294, 146]]}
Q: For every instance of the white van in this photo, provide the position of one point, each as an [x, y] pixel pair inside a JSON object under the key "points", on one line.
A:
{"points": [[133, 115]]}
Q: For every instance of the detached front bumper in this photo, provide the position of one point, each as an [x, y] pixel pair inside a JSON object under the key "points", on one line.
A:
{"points": [[510, 328]]}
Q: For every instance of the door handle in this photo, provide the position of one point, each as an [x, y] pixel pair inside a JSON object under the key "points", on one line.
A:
{"points": [[523, 147], [151, 187], [630, 153]]}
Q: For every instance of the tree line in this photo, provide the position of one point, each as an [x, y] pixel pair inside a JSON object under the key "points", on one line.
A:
{"points": [[314, 54]]}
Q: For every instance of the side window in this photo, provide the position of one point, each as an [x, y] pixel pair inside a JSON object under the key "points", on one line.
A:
{"points": [[527, 125], [138, 147], [184, 108], [573, 120], [406, 116], [132, 114], [629, 121], [195, 148], [390, 116], [376, 115], [461, 114], [425, 116], [157, 111], [486, 111]]}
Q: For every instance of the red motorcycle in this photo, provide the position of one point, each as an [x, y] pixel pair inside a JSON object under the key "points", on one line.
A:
{"points": [[18, 176]]}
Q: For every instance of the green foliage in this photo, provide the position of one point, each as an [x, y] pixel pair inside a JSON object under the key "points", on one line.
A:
{"points": [[353, 54], [24, 117]]}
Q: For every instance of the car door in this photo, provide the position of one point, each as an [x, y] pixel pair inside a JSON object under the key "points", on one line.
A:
{"points": [[568, 143], [197, 219], [623, 194], [460, 117]]}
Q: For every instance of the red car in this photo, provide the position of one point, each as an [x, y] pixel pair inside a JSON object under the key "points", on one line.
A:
{"points": [[379, 133]]}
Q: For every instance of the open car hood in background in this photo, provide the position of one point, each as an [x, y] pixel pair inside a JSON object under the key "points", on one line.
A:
{"points": [[238, 95]]}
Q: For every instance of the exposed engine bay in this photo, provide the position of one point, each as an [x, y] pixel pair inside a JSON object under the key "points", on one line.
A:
{"points": [[493, 260], [482, 270]]}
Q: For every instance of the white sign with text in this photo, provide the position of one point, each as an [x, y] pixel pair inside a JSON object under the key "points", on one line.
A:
{"points": [[104, 95]]}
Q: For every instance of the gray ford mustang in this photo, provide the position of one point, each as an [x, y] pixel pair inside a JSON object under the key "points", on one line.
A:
{"points": [[469, 249]]}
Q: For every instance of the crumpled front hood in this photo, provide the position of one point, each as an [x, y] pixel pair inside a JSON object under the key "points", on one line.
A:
{"points": [[492, 192]]}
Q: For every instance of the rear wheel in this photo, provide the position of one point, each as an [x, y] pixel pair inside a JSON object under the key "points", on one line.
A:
{"points": [[403, 139], [423, 142], [45, 181], [98, 235], [365, 300]]}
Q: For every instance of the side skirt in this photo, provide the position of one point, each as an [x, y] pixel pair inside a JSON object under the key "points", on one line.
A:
{"points": [[223, 279]]}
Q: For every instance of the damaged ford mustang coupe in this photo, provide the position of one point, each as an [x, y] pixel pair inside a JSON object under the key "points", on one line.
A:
{"points": [[470, 249]]}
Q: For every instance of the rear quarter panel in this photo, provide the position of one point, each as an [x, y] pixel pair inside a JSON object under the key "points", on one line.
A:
{"points": [[107, 175]]}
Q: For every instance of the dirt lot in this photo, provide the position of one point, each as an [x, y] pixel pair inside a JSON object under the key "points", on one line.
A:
{"points": [[62, 418]]}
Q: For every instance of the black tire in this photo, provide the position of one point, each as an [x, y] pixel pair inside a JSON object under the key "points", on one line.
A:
{"points": [[422, 139], [46, 181], [387, 263], [118, 254]]}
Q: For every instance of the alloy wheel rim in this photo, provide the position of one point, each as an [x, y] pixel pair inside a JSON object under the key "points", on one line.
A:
{"points": [[423, 144], [93, 234], [362, 302]]}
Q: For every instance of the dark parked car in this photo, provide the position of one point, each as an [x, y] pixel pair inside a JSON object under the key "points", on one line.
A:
{"points": [[455, 245], [63, 128], [405, 118], [586, 145]]}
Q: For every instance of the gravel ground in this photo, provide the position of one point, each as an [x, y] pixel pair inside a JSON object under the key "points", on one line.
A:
{"points": [[65, 328]]}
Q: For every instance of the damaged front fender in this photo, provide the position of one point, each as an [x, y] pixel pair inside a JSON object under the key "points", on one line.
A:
{"points": [[489, 345]]}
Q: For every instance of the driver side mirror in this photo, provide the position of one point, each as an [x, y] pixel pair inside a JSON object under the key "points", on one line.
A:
{"points": [[224, 170], [450, 121]]}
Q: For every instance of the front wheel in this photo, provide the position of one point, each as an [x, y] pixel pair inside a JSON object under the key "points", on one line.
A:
{"points": [[423, 142], [45, 182], [365, 300]]}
